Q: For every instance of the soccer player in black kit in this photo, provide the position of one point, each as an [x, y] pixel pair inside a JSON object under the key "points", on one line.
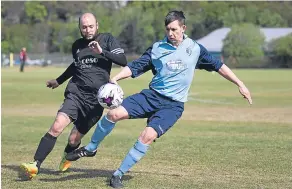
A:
{"points": [[93, 56]]}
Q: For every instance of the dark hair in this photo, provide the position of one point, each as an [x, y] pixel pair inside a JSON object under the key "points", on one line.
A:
{"points": [[173, 16]]}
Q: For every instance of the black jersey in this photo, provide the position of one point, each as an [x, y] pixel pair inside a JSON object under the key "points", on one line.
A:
{"points": [[90, 70]]}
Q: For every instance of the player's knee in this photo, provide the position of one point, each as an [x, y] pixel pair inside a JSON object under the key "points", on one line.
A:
{"points": [[74, 140], [113, 116], [116, 115], [58, 126], [148, 135]]}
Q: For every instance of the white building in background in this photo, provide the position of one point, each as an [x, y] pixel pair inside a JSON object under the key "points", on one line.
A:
{"points": [[214, 40]]}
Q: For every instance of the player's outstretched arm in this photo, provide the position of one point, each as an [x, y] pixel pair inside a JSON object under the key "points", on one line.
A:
{"points": [[66, 74], [135, 68], [123, 74], [54, 83], [228, 74]]}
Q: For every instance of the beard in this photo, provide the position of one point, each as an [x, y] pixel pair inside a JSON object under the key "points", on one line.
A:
{"points": [[91, 38]]}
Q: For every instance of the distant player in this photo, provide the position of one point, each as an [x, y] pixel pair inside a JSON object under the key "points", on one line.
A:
{"points": [[173, 61], [93, 56], [23, 58]]}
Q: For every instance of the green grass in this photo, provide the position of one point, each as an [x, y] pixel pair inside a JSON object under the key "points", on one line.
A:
{"points": [[220, 142]]}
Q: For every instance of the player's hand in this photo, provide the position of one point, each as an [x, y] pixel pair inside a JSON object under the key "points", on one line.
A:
{"points": [[94, 45], [52, 84], [113, 80], [245, 93]]}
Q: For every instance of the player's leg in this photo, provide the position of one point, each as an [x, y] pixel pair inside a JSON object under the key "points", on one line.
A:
{"points": [[158, 124], [87, 118], [103, 128], [22, 66], [74, 141], [134, 106], [46, 145], [65, 115]]}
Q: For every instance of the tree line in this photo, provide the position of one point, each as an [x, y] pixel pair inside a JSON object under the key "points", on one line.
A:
{"points": [[51, 26]]}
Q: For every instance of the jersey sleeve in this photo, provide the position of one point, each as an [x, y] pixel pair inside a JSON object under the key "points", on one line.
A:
{"points": [[207, 61], [114, 45], [116, 52], [70, 70], [66, 74], [142, 64]]}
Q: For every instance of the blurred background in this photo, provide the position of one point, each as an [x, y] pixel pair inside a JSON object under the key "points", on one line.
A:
{"points": [[242, 34]]}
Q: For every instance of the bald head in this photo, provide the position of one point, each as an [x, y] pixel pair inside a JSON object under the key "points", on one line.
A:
{"points": [[86, 16], [88, 26]]}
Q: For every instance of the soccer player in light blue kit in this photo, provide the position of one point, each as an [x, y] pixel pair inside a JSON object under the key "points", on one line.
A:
{"points": [[173, 61]]}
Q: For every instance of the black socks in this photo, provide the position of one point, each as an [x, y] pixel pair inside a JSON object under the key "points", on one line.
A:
{"points": [[46, 145], [70, 148]]}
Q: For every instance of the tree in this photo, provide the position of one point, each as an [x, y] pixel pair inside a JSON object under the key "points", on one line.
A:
{"points": [[244, 40], [14, 38], [35, 11], [63, 35], [142, 23], [281, 50], [137, 24], [267, 18], [233, 16], [38, 37], [5, 48], [137, 32], [12, 12], [203, 17], [103, 16]]}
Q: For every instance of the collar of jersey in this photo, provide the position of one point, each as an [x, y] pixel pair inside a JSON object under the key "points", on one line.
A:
{"points": [[166, 41]]}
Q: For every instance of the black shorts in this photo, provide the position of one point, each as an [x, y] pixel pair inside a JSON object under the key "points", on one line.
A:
{"points": [[84, 114]]}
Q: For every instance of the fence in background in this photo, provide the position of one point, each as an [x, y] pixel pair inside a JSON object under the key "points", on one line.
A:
{"points": [[58, 59]]}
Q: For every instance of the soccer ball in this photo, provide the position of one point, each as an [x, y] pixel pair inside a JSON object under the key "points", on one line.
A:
{"points": [[110, 96]]}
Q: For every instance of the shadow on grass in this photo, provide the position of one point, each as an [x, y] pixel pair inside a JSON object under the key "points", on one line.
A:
{"points": [[82, 173]]}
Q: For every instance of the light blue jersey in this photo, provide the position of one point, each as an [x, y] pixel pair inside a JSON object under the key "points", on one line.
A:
{"points": [[174, 67]]}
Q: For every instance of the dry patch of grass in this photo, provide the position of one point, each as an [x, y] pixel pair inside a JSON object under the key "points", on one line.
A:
{"points": [[31, 110], [226, 114]]}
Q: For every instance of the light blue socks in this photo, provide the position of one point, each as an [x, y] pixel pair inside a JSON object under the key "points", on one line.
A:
{"points": [[103, 128], [135, 154]]}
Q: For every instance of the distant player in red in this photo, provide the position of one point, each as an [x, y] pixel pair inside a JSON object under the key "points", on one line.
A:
{"points": [[23, 58]]}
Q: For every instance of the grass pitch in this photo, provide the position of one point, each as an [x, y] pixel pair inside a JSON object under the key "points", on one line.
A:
{"points": [[220, 141]]}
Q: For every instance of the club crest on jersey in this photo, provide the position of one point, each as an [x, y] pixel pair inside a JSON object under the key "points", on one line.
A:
{"points": [[175, 65], [189, 51]]}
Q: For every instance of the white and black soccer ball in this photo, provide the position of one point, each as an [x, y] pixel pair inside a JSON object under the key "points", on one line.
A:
{"points": [[110, 96]]}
